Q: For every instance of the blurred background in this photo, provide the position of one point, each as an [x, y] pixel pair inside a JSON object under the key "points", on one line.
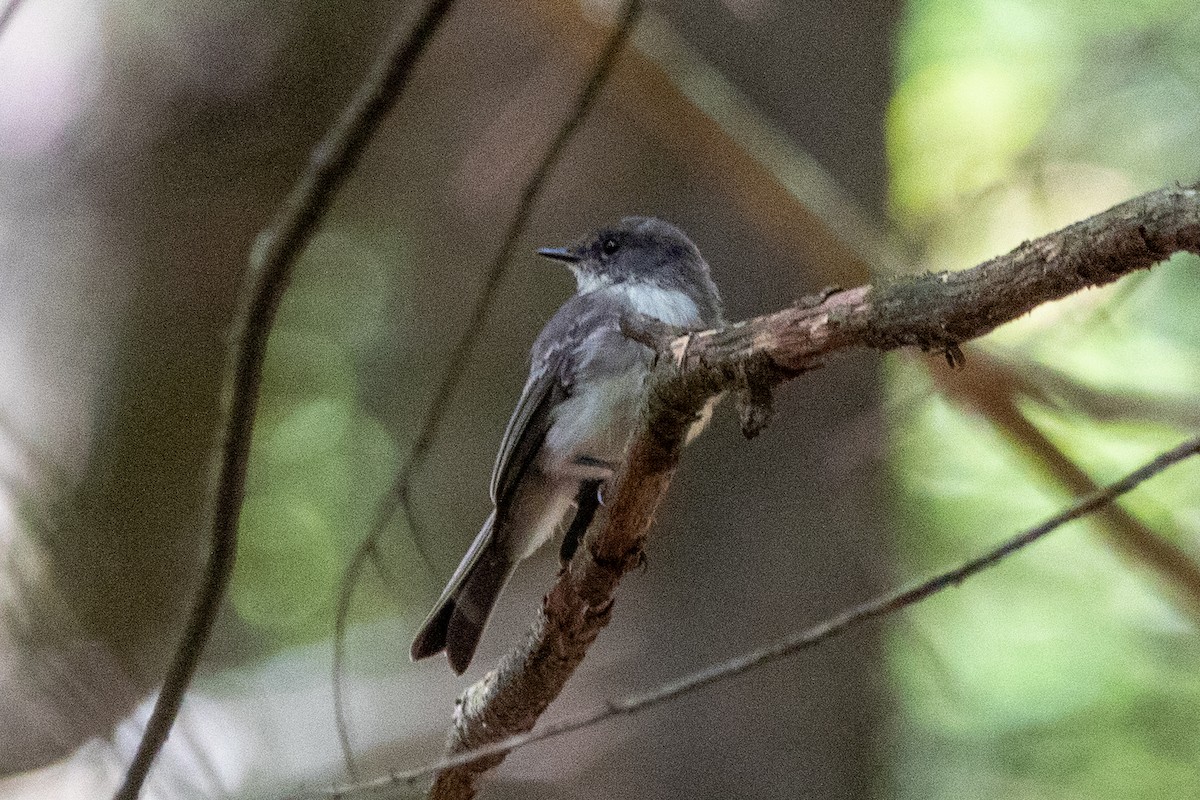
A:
{"points": [[801, 145]]}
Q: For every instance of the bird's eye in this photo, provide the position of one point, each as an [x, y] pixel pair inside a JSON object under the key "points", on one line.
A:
{"points": [[610, 246]]}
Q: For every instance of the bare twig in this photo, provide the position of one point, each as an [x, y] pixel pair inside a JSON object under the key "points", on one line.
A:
{"points": [[7, 13], [1058, 390], [793, 643], [993, 389], [398, 495], [271, 262], [368, 549], [934, 312], [688, 106]]}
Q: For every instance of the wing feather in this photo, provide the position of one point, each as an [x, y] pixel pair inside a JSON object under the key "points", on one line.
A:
{"points": [[529, 423]]}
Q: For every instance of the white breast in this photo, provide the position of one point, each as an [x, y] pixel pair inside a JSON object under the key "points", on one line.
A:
{"points": [[669, 305]]}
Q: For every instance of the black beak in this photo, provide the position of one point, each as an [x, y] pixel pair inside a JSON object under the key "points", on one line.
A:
{"points": [[560, 254]]}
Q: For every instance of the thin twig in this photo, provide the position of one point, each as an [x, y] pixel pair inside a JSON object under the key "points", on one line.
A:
{"points": [[1056, 389], [685, 104], [459, 357], [271, 261], [398, 495], [793, 643], [9, 11]]}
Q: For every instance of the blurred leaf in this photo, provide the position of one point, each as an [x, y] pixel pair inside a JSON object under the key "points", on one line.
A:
{"points": [[320, 461], [1065, 673]]}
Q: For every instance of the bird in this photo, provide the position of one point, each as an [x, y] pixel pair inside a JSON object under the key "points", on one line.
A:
{"points": [[579, 409]]}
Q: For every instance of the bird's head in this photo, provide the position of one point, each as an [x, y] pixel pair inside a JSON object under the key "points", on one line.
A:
{"points": [[642, 250]]}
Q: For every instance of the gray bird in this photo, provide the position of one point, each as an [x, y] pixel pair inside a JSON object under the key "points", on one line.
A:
{"points": [[572, 426]]}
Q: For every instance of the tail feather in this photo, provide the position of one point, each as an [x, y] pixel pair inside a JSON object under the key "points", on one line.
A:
{"points": [[472, 608], [461, 613], [432, 637]]}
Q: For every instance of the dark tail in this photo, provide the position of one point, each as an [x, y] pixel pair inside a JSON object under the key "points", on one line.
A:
{"points": [[457, 622]]}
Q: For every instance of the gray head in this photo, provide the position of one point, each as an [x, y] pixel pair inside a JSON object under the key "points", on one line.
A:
{"points": [[642, 250]]}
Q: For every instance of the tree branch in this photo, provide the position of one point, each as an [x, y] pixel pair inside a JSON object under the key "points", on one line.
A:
{"points": [[271, 261], [935, 312]]}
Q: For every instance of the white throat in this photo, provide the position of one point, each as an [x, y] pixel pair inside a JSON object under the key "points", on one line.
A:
{"points": [[669, 305]]}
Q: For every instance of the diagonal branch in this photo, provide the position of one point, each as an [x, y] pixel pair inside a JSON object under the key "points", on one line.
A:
{"points": [[399, 494], [881, 606], [271, 261], [935, 312], [7, 13]]}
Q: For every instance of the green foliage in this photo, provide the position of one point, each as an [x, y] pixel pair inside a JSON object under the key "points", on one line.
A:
{"points": [[1068, 672], [320, 462], [1047, 676], [1014, 116]]}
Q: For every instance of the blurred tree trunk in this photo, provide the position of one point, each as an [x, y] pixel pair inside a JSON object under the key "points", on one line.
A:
{"points": [[131, 237]]}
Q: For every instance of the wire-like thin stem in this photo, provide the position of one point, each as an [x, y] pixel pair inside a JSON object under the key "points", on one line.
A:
{"points": [[7, 13], [398, 495], [271, 262], [795, 642]]}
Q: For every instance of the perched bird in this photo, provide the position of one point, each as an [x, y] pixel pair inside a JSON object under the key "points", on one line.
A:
{"points": [[572, 426]]}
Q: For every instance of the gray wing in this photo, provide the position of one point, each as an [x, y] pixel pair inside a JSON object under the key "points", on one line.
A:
{"points": [[556, 360], [544, 390]]}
